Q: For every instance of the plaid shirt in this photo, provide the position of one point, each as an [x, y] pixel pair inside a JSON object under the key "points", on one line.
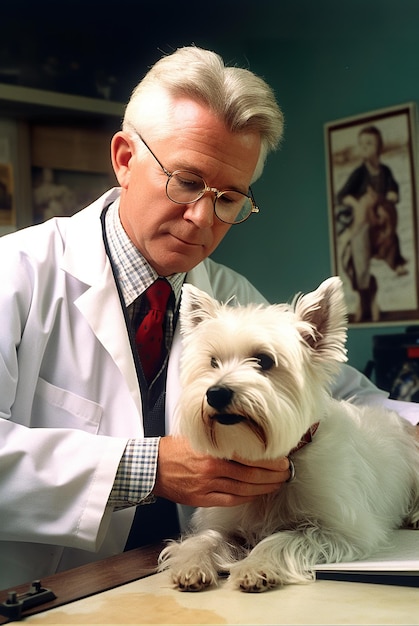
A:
{"points": [[136, 475]]}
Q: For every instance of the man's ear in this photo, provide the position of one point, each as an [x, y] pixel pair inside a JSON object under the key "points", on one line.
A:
{"points": [[122, 151]]}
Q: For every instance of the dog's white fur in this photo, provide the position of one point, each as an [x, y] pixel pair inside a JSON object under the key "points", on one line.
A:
{"points": [[357, 479]]}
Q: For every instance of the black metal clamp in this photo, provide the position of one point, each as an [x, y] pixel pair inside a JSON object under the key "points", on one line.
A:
{"points": [[16, 604]]}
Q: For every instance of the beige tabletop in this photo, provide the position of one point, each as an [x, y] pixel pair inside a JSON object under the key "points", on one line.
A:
{"points": [[151, 600]]}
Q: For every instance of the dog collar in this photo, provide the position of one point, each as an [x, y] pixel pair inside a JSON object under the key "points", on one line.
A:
{"points": [[306, 438]]}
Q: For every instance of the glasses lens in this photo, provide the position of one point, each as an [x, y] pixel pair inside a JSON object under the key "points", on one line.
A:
{"points": [[184, 187], [233, 207]]}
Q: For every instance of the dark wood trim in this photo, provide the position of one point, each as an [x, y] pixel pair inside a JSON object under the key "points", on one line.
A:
{"points": [[93, 578]]}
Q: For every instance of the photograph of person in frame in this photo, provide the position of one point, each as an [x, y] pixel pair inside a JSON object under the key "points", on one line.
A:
{"points": [[367, 217]]}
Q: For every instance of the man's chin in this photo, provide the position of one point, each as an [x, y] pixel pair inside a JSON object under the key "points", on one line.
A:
{"points": [[175, 263]]}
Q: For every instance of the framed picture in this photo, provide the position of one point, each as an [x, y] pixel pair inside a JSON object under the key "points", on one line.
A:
{"points": [[372, 214], [71, 167], [61, 193]]}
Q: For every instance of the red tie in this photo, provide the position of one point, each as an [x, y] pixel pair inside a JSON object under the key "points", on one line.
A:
{"points": [[149, 336]]}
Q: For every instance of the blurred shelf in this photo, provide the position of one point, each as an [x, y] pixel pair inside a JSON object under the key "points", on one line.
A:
{"points": [[40, 105]]}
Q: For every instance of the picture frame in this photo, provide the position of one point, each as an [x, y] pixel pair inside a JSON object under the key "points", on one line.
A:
{"points": [[372, 201], [70, 168], [62, 193]]}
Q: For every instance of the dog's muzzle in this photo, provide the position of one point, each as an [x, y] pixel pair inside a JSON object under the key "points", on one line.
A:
{"points": [[219, 398]]}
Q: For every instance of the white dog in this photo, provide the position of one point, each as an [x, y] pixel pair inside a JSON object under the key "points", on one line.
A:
{"points": [[255, 385]]}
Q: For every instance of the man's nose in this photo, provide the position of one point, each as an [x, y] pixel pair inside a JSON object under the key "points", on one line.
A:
{"points": [[201, 212]]}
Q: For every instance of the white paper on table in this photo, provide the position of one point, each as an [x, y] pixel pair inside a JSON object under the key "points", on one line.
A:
{"points": [[400, 556]]}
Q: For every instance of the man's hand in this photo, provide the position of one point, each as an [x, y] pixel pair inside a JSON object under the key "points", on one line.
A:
{"points": [[187, 477]]}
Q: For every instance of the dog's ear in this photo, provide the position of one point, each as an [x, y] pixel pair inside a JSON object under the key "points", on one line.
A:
{"points": [[324, 316], [196, 306]]}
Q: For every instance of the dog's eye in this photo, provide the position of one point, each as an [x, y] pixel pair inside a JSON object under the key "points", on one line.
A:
{"points": [[214, 363], [264, 361]]}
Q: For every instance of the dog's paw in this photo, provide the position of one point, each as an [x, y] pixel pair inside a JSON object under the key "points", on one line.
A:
{"points": [[187, 571], [193, 562], [193, 579], [253, 581]]}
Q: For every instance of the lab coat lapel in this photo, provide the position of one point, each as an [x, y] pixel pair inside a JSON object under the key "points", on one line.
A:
{"points": [[101, 307], [85, 259]]}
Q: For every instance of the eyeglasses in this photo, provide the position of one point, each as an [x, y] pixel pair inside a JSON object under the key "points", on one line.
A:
{"points": [[184, 187]]}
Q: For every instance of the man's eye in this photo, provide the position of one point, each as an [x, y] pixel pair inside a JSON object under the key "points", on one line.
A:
{"points": [[231, 199], [186, 182], [264, 361], [225, 199]]}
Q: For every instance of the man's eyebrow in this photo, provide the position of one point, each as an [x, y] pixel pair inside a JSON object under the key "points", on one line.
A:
{"points": [[187, 167]]}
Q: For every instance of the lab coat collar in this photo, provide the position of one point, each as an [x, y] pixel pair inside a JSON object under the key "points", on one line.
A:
{"points": [[84, 256]]}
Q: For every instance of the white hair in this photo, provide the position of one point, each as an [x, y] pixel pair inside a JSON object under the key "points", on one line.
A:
{"points": [[244, 101]]}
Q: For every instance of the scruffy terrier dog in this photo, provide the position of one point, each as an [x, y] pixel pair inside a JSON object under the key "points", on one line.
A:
{"points": [[255, 385]]}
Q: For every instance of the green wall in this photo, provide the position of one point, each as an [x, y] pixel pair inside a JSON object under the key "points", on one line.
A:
{"points": [[337, 65]]}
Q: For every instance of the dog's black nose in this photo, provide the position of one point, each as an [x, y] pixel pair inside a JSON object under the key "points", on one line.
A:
{"points": [[219, 397]]}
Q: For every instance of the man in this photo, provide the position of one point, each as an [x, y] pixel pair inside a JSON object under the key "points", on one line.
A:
{"points": [[83, 434]]}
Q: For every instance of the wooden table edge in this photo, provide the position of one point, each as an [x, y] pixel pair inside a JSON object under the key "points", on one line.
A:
{"points": [[87, 580]]}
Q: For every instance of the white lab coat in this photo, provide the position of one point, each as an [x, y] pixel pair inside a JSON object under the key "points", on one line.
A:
{"points": [[69, 395]]}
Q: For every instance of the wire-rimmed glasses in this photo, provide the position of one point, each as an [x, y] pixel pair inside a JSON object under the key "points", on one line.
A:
{"points": [[185, 187]]}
